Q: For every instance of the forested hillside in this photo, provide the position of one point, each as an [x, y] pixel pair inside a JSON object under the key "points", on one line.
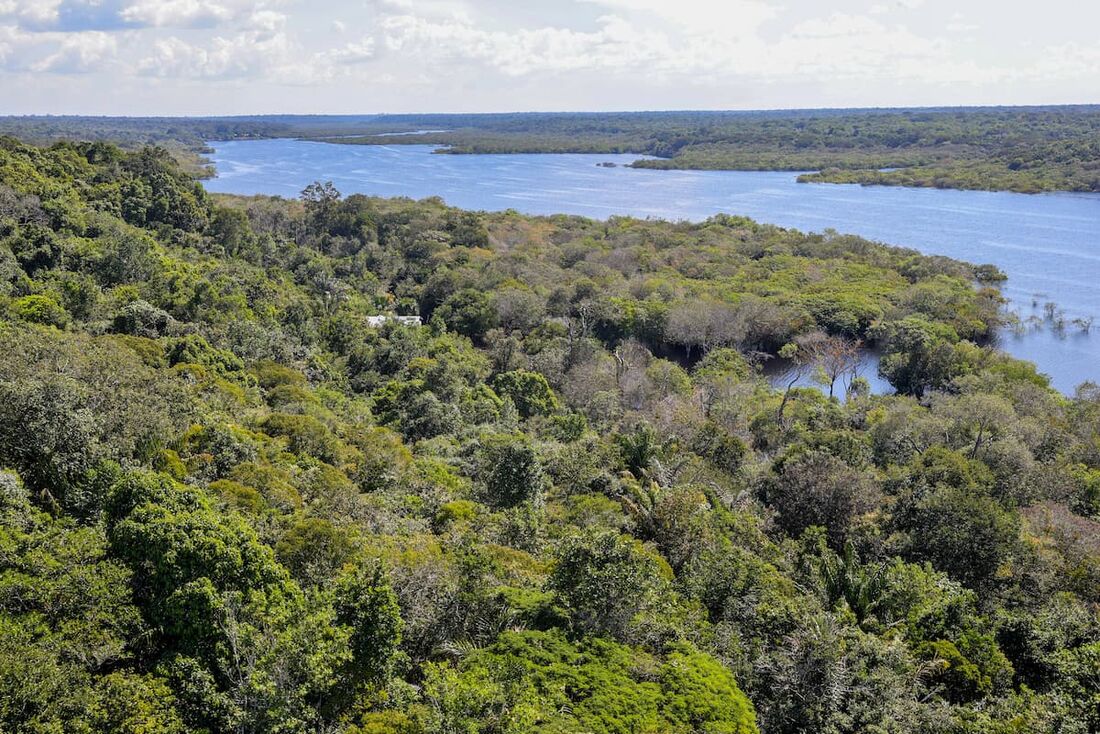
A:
{"points": [[184, 137], [568, 502]]}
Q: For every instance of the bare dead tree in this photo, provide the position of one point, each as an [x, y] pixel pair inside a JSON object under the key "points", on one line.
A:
{"points": [[837, 357], [798, 365]]}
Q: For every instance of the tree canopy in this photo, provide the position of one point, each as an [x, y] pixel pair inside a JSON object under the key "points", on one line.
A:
{"points": [[569, 500]]}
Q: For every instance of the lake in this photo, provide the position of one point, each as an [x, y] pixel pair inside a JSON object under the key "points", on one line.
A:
{"points": [[1048, 244]]}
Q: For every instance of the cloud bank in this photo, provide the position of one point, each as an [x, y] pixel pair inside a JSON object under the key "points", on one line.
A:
{"points": [[229, 56]]}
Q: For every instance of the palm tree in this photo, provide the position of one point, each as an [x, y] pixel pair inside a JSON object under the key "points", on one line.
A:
{"points": [[843, 577]]}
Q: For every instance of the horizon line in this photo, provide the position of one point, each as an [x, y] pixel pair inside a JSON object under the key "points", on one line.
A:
{"points": [[669, 111]]}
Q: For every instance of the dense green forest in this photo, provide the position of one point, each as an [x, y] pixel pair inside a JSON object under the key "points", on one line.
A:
{"points": [[185, 138], [567, 502], [1027, 149]]}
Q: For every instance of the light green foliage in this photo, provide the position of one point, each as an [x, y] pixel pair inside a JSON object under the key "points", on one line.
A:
{"points": [[551, 685], [306, 435], [196, 350], [40, 310], [701, 695]]}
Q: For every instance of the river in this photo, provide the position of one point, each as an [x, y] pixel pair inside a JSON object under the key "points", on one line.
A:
{"points": [[1048, 244]]}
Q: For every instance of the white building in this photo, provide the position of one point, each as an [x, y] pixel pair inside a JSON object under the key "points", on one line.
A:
{"points": [[379, 321]]}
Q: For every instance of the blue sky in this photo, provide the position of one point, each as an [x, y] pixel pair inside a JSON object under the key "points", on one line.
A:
{"points": [[318, 56]]}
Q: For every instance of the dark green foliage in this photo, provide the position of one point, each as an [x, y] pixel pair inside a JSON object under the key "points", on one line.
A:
{"points": [[367, 605], [158, 193], [640, 449], [314, 550], [530, 392], [963, 673], [95, 402], [610, 582], [818, 489], [183, 552], [962, 532], [232, 231], [1079, 687], [844, 579], [468, 312], [512, 472], [919, 355], [726, 451], [214, 593]]}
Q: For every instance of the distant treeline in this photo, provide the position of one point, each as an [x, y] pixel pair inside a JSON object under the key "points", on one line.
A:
{"points": [[1028, 149], [1017, 149]]}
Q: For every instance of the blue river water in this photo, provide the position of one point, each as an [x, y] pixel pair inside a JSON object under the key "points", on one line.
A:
{"points": [[1048, 244]]}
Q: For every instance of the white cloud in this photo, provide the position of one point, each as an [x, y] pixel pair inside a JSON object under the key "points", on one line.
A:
{"points": [[79, 53], [176, 13], [55, 52], [851, 46], [31, 12], [256, 55], [118, 15], [455, 10], [8, 40], [266, 20], [731, 18], [201, 13], [616, 45], [246, 54], [1071, 60], [351, 53]]}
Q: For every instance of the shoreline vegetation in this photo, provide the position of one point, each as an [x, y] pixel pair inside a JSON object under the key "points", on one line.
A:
{"points": [[380, 466], [1021, 149]]}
